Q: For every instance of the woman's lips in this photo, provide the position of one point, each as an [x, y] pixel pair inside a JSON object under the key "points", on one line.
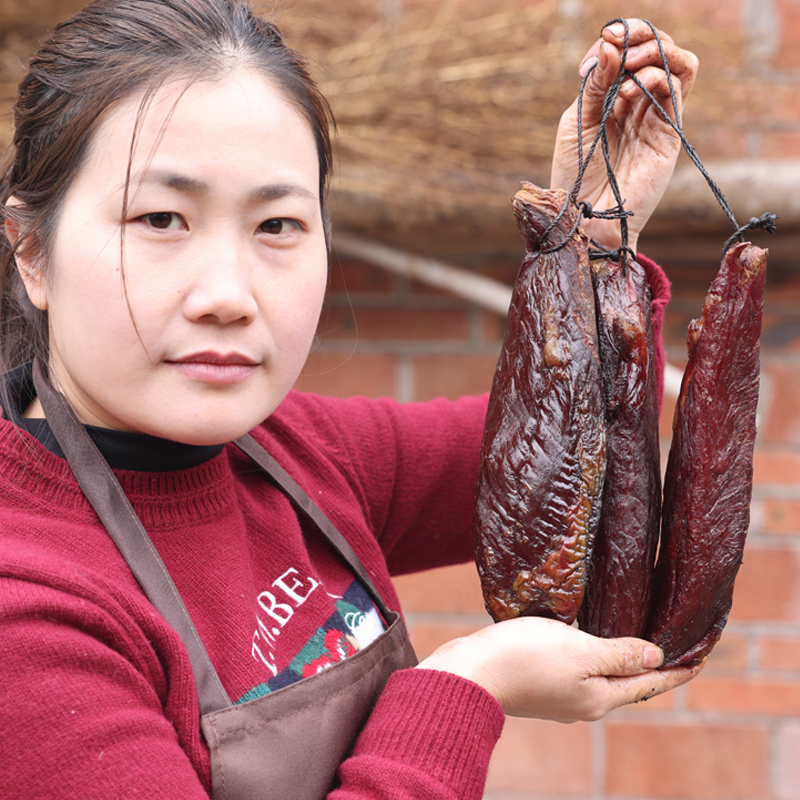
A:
{"points": [[215, 368]]}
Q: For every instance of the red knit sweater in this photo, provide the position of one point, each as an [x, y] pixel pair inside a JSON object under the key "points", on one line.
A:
{"points": [[96, 693]]}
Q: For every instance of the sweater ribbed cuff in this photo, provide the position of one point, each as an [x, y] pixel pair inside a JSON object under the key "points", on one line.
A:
{"points": [[660, 288], [439, 723], [660, 291]]}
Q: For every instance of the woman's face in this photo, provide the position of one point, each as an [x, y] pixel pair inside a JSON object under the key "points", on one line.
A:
{"points": [[225, 264]]}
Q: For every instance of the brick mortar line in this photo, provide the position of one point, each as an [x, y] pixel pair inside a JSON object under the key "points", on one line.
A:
{"points": [[773, 447], [599, 758], [445, 347], [773, 544], [400, 302], [770, 357], [404, 377], [681, 304], [789, 629], [773, 538], [752, 672], [770, 354], [476, 326], [664, 718], [776, 492], [757, 673]]}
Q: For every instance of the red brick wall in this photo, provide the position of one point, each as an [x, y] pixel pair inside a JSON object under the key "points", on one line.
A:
{"points": [[735, 731], [732, 733]]}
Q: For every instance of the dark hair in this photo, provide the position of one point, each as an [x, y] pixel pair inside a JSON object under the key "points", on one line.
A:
{"points": [[105, 53]]}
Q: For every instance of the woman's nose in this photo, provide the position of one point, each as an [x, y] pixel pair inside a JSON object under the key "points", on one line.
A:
{"points": [[221, 291]]}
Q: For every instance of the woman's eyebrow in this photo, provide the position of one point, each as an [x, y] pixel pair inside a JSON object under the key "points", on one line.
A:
{"points": [[187, 185], [275, 191], [181, 183]]}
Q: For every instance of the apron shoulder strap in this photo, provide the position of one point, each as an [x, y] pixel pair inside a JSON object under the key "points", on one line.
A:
{"points": [[102, 490], [248, 445]]}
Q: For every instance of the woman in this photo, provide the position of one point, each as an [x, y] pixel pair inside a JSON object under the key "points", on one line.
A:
{"points": [[165, 262]]}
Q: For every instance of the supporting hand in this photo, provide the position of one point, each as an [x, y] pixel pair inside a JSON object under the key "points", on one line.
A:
{"points": [[536, 667]]}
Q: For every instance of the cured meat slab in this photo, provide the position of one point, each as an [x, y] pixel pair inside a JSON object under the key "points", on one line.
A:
{"points": [[617, 601], [708, 482], [543, 457]]}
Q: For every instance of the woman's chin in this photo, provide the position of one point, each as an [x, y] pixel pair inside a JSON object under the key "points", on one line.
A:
{"points": [[212, 428]]}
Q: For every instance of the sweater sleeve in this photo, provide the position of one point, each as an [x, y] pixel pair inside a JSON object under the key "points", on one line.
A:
{"points": [[414, 466], [84, 702], [411, 467], [430, 735]]}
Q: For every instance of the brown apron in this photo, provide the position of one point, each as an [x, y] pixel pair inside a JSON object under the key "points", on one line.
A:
{"points": [[284, 745]]}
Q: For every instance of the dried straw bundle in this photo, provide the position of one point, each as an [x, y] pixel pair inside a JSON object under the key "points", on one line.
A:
{"points": [[438, 114], [441, 114], [441, 107]]}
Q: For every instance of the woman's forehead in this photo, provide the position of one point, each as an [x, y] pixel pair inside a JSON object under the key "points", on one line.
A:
{"points": [[188, 128]]}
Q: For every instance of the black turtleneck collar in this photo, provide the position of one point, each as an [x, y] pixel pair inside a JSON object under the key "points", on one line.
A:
{"points": [[122, 450]]}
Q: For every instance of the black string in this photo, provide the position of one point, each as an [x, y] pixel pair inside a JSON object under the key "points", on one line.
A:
{"points": [[765, 221], [601, 137]]}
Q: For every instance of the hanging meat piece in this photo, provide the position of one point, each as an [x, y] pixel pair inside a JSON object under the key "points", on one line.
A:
{"points": [[617, 601], [708, 482], [543, 453]]}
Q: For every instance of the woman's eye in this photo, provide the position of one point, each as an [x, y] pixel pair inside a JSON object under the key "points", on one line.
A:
{"points": [[278, 225], [163, 220]]}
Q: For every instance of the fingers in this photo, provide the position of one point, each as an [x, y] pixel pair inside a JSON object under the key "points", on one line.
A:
{"points": [[652, 81], [682, 64], [606, 65], [638, 31], [643, 52], [536, 667], [618, 690], [629, 656], [637, 688]]}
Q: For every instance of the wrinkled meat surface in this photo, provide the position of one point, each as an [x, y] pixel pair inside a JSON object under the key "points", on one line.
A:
{"points": [[543, 454], [708, 482], [617, 601]]}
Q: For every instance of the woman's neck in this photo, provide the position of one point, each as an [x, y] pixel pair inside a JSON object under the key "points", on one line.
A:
{"points": [[34, 410]]}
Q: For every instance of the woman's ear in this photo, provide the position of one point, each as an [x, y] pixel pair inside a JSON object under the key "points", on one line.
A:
{"points": [[28, 261]]}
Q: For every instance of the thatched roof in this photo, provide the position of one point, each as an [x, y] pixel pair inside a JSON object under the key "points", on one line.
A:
{"points": [[441, 107]]}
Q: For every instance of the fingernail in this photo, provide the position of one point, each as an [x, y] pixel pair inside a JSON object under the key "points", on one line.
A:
{"points": [[602, 60], [627, 87], [587, 65], [652, 657], [617, 30]]}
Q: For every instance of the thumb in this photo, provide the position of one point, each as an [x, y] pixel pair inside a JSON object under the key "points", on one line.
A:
{"points": [[629, 656], [605, 71]]}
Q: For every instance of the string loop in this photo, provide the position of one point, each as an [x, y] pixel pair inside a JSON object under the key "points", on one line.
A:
{"points": [[623, 252], [765, 222]]}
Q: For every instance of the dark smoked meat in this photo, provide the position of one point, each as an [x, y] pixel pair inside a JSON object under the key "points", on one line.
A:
{"points": [[708, 482], [617, 601], [543, 453]]}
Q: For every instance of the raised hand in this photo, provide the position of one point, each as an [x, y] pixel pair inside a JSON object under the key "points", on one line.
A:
{"points": [[643, 146]]}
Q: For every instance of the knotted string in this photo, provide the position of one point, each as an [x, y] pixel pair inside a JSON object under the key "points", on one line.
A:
{"points": [[596, 250]]}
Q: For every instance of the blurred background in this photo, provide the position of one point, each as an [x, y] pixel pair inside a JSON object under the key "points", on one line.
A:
{"points": [[442, 108]]}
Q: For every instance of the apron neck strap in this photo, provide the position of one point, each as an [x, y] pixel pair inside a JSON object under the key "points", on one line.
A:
{"points": [[109, 501], [248, 445]]}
